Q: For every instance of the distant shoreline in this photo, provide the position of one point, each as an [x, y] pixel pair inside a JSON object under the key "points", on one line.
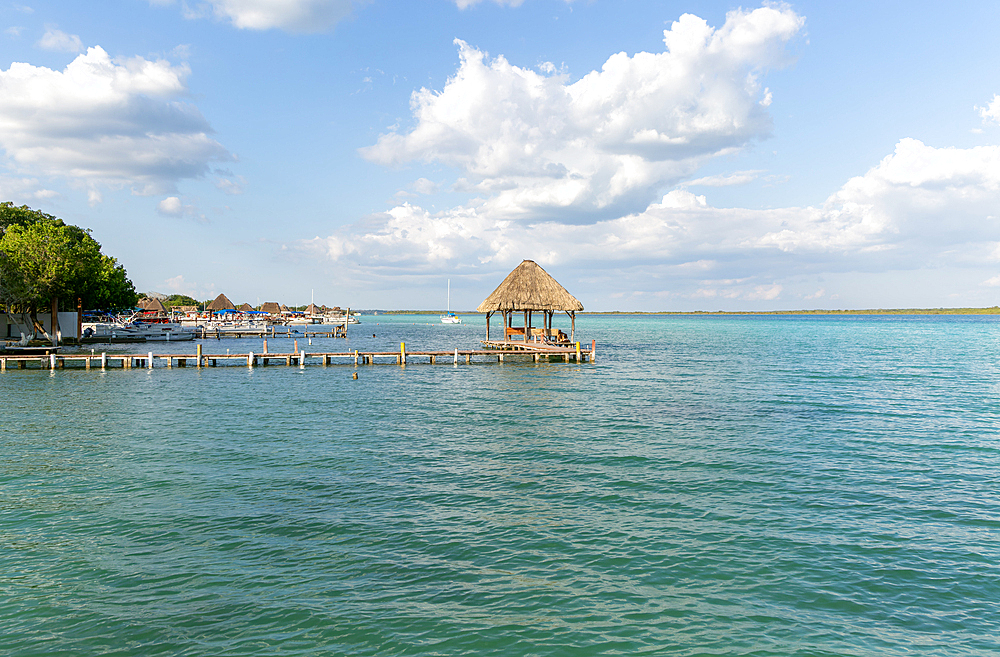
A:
{"points": [[995, 310]]}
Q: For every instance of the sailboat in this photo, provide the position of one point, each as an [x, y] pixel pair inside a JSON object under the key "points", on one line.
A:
{"points": [[450, 318]]}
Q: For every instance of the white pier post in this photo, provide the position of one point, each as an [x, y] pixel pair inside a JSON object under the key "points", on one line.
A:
{"points": [[150, 360], [302, 358], [456, 355], [250, 360], [52, 361], [104, 360]]}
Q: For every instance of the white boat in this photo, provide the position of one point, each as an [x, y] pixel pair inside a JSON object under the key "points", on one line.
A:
{"points": [[450, 318], [165, 332], [138, 331]]}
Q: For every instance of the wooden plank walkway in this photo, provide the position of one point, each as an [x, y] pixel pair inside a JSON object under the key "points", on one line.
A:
{"points": [[150, 360]]}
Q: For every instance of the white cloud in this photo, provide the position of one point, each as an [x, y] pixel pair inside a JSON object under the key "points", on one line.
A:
{"points": [[735, 178], [21, 190], [991, 113], [919, 207], [232, 185], [105, 122], [305, 16], [538, 146], [55, 39], [172, 206], [424, 186], [14, 30]]}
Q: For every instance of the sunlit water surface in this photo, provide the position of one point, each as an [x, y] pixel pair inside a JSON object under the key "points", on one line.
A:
{"points": [[712, 485]]}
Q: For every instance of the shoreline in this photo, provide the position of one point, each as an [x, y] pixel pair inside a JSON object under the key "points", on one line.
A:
{"points": [[994, 310]]}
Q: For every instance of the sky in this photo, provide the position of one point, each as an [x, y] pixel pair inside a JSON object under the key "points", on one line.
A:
{"points": [[651, 156]]}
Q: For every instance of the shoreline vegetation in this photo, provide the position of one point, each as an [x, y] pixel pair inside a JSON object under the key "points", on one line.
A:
{"points": [[994, 310]]}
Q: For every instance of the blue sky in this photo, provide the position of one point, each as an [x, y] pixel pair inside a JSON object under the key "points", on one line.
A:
{"points": [[650, 155]]}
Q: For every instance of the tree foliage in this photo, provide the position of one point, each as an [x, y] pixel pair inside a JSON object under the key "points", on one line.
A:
{"points": [[42, 258]]}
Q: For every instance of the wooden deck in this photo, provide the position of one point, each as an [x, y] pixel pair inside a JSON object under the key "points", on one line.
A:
{"points": [[151, 360]]}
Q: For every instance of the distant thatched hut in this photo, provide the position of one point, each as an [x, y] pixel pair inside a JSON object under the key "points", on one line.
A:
{"points": [[313, 309], [152, 305], [271, 308], [245, 308], [529, 289], [221, 302]]}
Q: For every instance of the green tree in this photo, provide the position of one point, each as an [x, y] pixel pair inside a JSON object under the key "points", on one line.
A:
{"points": [[111, 289], [43, 260]]}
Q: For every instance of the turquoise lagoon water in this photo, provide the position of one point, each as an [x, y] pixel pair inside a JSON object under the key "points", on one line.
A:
{"points": [[712, 485]]}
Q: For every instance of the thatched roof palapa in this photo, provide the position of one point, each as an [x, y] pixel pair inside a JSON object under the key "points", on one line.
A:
{"points": [[312, 309], [529, 287], [245, 308], [221, 302], [271, 307], [154, 305]]}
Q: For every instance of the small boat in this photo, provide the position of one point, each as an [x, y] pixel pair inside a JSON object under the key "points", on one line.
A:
{"points": [[450, 318]]}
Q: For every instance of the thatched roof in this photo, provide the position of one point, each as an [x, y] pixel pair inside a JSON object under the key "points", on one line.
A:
{"points": [[221, 303], [155, 305], [271, 307], [529, 287], [312, 309], [245, 307], [284, 308]]}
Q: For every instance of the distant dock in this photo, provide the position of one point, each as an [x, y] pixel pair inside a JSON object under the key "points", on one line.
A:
{"points": [[151, 360]]}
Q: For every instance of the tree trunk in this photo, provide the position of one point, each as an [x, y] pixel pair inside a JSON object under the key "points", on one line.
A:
{"points": [[54, 324]]}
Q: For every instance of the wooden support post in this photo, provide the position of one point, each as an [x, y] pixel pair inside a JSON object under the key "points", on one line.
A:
{"points": [[21, 365], [250, 360], [170, 362], [3, 365], [432, 359], [296, 346], [578, 352], [456, 355], [593, 350], [355, 358], [288, 361], [151, 360], [104, 360], [199, 356], [402, 353], [500, 357], [302, 358], [265, 345], [468, 359]]}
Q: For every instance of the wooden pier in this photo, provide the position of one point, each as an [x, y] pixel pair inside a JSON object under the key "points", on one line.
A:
{"points": [[151, 360]]}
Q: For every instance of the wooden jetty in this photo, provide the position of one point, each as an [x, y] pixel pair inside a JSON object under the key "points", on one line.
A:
{"points": [[151, 360]]}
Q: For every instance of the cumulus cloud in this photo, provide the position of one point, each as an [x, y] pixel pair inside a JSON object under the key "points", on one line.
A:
{"points": [[991, 113], [537, 145], [105, 122], [921, 206], [303, 16], [55, 39]]}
